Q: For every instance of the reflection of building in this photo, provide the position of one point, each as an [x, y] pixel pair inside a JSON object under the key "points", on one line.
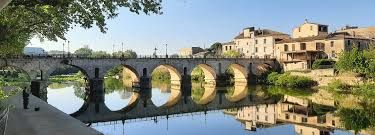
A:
{"points": [[259, 114], [190, 51], [297, 111], [311, 41]]}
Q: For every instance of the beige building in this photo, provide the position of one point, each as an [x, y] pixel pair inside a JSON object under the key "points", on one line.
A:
{"points": [[264, 114], [228, 46], [255, 43], [190, 51], [313, 42], [367, 32]]}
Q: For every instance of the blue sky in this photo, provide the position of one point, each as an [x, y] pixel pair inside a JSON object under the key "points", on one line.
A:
{"points": [[188, 23]]}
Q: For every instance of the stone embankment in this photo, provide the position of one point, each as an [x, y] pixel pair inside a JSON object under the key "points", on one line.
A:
{"points": [[325, 76]]}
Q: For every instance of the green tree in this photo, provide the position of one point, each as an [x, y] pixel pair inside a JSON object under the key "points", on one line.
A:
{"points": [[100, 54], [125, 54], [216, 48], [84, 52], [51, 19], [362, 62], [232, 53]]}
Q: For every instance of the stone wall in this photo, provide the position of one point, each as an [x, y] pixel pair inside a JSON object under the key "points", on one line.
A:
{"points": [[325, 76]]}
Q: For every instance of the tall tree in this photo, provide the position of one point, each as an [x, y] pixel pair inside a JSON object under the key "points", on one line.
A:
{"points": [[84, 52], [51, 19], [216, 48]]}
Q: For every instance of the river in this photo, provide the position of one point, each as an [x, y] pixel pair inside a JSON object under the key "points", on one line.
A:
{"points": [[294, 112]]}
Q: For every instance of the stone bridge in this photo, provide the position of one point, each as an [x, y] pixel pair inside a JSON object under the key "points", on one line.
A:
{"points": [[140, 69]]}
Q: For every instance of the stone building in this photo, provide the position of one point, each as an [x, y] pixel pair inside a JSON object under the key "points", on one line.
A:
{"points": [[190, 51], [312, 41], [263, 114], [255, 43], [367, 32]]}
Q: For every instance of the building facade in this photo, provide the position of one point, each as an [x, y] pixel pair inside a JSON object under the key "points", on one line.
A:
{"points": [[190, 51], [311, 41], [255, 43]]}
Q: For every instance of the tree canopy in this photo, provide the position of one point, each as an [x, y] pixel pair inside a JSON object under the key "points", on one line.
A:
{"points": [[84, 52], [50, 19], [232, 53]]}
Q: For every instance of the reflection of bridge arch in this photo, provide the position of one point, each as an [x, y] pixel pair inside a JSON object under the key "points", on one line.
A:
{"points": [[208, 95], [239, 92], [240, 73], [209, 73]]}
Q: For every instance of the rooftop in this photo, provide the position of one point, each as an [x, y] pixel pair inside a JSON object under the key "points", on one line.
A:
{"points": [[262, 33]]}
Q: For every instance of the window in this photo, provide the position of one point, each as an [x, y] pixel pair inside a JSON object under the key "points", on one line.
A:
{"points": [[294, 117], [256, 49], [238, 42], [257, 109], [299, 29], [333, 54], [247, 43], [226, 48], [285, 47], [303, 46], [266, 118], [333, 123], [320, 46], [293, 47], [230, 47], [251, 34], [304, 119], [311, 27], [332, 43], [349, 43], [257, 117], [287, 116], [264, 49], [256, 41], [264, 41]]}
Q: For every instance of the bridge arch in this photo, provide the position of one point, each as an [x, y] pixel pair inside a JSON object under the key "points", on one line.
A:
{"points": [[130, 75], [175, 75], [209, 73], [239, 72]]}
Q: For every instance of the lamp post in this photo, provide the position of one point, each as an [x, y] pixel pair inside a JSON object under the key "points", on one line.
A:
{"points": [[68, 48], [166, 50], [63, 50], [122, 47]]}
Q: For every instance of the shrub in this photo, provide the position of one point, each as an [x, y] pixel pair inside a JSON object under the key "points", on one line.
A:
{"points": [[337, 85], [289, 80], [320, 62], [272, 77]]}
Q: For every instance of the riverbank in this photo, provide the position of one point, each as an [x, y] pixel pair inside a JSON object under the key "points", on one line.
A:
{"points": [[47, 121]]}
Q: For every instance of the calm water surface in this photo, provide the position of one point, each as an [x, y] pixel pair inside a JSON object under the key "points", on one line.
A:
{"points": [[68, 98]]}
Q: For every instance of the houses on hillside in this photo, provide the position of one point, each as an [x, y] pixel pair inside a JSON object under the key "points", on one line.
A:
{"points": [[308, 42]]}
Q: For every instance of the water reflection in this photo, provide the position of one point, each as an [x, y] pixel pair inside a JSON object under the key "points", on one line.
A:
{"points": [[307, 112]]}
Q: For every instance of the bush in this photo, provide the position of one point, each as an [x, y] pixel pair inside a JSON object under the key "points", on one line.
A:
{"points": [[289, 80], [322, 62], [337, 85], [272, 77]]}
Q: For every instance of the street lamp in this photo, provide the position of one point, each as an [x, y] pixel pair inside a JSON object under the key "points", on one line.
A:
{"points": [[68, 48], [166, 50], [63, 50], [122, 47]]}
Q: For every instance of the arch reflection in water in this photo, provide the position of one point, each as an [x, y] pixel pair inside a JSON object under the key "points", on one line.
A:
{"points": [[237, 92], [203, 93], [67, 97], [117, 95]]}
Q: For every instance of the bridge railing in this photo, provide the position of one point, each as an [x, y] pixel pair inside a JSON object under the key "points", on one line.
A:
{"points": [[64, 56]]}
